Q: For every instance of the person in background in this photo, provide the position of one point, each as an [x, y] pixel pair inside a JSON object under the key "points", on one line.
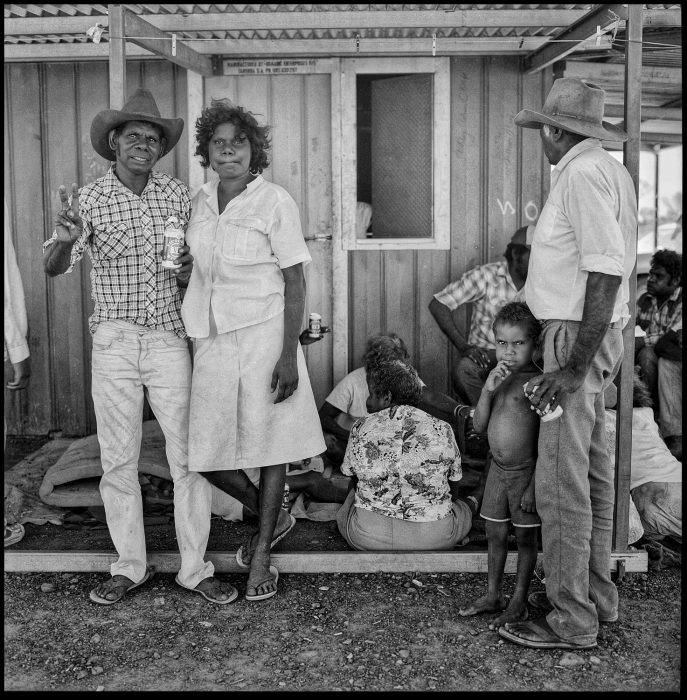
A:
{"points": [[659, 352], [16, 344], [487, 287], [139, 343], [347, 402], [251, 400], [405, 466], [578, 287]]}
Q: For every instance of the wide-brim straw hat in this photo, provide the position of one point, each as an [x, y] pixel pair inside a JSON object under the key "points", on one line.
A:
{"points": [[573, 105], [140, 107]]}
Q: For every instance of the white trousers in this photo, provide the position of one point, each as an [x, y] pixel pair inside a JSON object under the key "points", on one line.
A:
{"points": [[129, 360]]}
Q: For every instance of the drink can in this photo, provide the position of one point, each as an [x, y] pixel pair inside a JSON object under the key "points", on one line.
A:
{"points": [[552, 415], [315, 326], [174, 239]]}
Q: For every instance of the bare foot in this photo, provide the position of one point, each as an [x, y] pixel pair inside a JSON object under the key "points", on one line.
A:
{"points": [[284, 523], [484, 604], [515, 612]]}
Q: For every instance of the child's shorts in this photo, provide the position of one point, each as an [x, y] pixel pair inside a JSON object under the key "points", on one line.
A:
{"points": [[503, 493]]}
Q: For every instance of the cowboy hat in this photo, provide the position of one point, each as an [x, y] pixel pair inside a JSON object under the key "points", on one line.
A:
{"points": [[573, 105], [140, 107], [520, 236]]}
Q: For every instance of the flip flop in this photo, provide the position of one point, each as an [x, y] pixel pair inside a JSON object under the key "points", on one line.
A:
{"points": [[120, 588], [280, 536], [265, 596], [232, 596], [547, 638], [13, 533]]}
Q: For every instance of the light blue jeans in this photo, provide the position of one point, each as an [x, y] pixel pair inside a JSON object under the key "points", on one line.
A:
{"points": [[129, 360], [575, 494]]}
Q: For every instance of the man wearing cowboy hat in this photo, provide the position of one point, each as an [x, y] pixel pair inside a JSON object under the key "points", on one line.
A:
{"points": [[488, 288], [139, 342], [577, 286]]}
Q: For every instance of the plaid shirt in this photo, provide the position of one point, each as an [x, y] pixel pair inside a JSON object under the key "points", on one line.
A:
{"points": [[655, 320], [124, 236], [488, 287]]}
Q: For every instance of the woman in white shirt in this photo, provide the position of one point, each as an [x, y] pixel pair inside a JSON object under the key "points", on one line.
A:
{"points": [[251, 401]]}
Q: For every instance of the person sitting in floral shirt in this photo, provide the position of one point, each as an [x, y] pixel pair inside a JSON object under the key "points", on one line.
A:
{"points": [[406, 467]]}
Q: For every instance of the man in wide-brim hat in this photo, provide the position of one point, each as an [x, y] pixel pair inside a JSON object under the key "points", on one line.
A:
{"points": [[577, 285], [139, 341]]}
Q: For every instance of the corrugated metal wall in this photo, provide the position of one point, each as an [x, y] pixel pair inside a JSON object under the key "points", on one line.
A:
{"points": [[48, 112], [498, 182]]}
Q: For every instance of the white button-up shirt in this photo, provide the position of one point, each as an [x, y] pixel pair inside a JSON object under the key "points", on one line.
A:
{"points": [[588, 224], [238, 256]]}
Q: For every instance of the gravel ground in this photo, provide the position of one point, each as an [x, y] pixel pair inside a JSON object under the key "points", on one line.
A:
{"points": [[326, 632]]}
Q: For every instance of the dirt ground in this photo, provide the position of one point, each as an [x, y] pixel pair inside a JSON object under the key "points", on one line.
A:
{"points": [[322, 632]]}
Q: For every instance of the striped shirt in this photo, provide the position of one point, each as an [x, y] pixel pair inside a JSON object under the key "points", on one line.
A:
{"points": [[657, 320], [488, 287], [124, 236]]}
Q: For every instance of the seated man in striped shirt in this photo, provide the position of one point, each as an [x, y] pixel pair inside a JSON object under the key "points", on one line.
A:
{"points": [[139, 341], [488, 287]]}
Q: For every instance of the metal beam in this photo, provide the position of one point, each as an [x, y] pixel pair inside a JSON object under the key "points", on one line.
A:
{"points": [[374, 19], [567, 41], [654, 76], [138, 31], [276, 21], [623, 439]]}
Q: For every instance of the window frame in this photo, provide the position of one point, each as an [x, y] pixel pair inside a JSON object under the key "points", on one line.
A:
{"points": [[439, 67]]}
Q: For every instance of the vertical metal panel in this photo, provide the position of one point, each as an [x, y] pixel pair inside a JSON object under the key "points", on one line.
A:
{"points": [[66, 308], [623, 450], [48, 113], [30, 411]]}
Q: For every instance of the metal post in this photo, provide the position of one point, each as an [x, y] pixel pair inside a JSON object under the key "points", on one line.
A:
{"points": [[117, 65], [623, 445]]}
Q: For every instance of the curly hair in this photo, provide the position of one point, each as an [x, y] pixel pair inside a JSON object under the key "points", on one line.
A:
{"points": [[641, 396], [384, 348], [222, 112], [517, 313], [399, 379], [670, 261]]}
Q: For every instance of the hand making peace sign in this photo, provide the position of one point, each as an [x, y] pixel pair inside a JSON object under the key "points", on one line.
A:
{"points": [[68, 223]]}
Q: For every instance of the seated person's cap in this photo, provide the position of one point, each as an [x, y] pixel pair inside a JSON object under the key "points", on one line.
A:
{"points": [[521, 237]]}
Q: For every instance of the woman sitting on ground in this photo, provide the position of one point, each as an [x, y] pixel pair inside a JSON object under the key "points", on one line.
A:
{"points": [[406, 467]]}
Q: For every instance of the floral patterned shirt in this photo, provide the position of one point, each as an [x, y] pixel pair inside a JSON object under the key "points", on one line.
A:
{"points": [[403, 458]]}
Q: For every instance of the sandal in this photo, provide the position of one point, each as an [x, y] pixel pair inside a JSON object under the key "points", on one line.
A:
{"points": [[120, 586], [246, 545], [217, 587], [13, 533], [537, 634], [265, 596]]}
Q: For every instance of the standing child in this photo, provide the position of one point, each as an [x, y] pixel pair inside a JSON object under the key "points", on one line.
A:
{"points": [[513, 429]]}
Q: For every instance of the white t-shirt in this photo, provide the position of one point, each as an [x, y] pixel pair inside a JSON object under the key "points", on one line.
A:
{"points": [[350, 397]]}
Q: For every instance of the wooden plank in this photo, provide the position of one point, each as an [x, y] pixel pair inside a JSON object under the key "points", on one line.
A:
{"points": [[367, 315], [68, 52], [568, 40], [502, 184], [398, 295], [138, 31], [258, 21], [117, 57], [297, 562], [340, 334], [194, 106], [612, 73], [668, 113], [623, 444]]}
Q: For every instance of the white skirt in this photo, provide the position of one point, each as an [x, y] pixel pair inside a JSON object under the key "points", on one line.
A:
{"points": [[234, 422]]}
